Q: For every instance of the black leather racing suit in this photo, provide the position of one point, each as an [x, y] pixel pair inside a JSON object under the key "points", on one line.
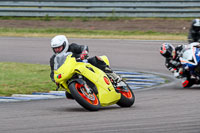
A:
{"points": [[76, 52], [193, 36], [174, 64]]}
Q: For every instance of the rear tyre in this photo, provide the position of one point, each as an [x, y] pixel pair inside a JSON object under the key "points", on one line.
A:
{"points": [[88, 100], [127, 96]]}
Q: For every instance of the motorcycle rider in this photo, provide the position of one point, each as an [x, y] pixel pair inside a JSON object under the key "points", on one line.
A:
{"points": [[173, 63], [60, 45], [194, 32]]}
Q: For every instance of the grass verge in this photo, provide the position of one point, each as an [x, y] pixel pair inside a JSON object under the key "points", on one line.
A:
{"points": [[20, 78], [81, 33]]}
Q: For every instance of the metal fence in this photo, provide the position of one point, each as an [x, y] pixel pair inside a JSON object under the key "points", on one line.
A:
{"points": [[101, 8]]}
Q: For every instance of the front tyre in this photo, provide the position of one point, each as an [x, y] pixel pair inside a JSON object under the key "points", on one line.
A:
{"points": [[88, 100], [127, 96]]}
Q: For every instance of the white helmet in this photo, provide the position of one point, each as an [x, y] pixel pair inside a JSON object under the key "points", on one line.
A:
{"points": [[60, 40]]}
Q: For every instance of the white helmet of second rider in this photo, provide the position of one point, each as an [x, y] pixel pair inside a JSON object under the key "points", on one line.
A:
{"points": [[60, 40]]}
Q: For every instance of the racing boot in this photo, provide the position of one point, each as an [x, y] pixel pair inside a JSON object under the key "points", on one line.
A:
{"points": [[115, 79]]}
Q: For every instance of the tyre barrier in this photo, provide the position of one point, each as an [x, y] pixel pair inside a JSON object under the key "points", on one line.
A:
{"points": [[136, 80]]}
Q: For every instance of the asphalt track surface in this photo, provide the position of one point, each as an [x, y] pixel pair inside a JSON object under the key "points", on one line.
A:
{"points": [[168, 108]]}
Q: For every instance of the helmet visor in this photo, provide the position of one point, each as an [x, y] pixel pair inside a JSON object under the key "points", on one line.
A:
{"points": [[58, 49]]}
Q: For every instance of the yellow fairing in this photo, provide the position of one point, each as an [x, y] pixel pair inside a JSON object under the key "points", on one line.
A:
{"points": [[106, 92], [66, 71], [105, 59]]}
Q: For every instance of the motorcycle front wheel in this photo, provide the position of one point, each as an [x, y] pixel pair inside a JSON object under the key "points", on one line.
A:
{"points": [[127, 96], [88, 100]]}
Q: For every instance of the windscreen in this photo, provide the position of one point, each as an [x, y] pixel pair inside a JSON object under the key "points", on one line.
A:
{"points": [[187, 54], [60, 59]]}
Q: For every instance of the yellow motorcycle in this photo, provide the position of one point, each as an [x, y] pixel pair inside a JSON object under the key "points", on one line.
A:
{"points": [[89, 85]]}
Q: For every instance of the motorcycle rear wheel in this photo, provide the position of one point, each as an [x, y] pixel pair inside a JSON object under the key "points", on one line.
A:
{"points": [[88, 101], [127, 97]]}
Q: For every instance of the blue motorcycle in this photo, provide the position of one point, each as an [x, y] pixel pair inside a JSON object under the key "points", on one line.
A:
{"points": [[190, 60]]}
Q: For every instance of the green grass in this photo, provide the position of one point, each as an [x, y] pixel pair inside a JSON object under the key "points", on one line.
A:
{"points": [[81, 33], [23, 78]]}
